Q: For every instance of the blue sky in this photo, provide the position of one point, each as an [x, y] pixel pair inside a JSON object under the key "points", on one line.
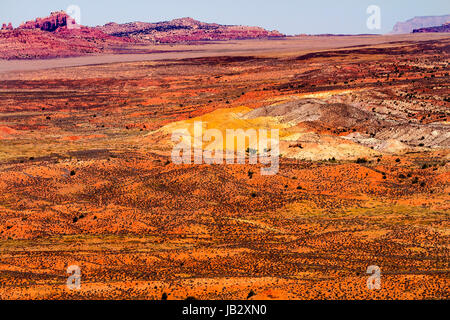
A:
{"points": [[287, 16]]}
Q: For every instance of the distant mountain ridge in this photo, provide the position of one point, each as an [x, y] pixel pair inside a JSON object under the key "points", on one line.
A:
{"points": [[185, 30], [50, 37], [419, 22]]}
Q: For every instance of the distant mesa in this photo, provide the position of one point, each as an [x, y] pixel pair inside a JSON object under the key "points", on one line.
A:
{"points": [[444, 28], [419, 22]]}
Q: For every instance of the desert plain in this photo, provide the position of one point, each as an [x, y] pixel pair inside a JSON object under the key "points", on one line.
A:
{"points": [[86, 176]]}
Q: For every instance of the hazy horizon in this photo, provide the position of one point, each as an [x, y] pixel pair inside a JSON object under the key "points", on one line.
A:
{"points": [[287, 16]]}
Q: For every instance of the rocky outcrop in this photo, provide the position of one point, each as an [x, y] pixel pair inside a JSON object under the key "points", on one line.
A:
{"points": [[7, 27], [50, 37], [444, 28], [51, 23]]}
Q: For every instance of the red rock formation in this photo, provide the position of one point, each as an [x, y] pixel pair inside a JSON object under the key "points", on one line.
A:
{"points": [[51, 23], [7, 27], [51, 38], [185, 30], [419, 22]]}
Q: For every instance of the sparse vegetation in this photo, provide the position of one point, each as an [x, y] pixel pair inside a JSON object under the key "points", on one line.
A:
{"points": [[361, 160]]}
